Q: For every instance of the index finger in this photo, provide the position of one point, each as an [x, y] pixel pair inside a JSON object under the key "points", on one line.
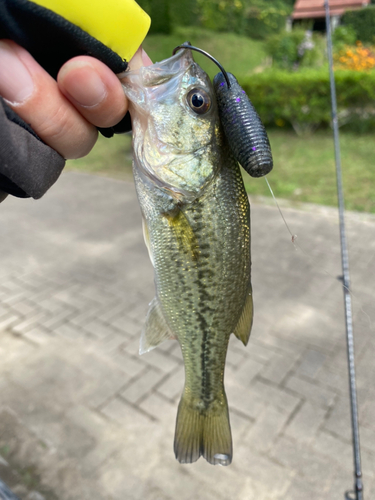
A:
{"points": [[95, 90]]}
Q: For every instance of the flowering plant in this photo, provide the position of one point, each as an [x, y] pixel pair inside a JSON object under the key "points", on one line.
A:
{"points": [[357, 58]]}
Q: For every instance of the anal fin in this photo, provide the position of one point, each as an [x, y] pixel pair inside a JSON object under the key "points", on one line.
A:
{"points": [[146, 236], [156, 329], [243, 328]]}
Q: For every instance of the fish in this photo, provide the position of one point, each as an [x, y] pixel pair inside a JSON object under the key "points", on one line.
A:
{"points": [[196, 224]]}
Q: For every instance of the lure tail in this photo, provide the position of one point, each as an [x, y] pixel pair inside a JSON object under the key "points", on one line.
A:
{"points": [[203, 432]]}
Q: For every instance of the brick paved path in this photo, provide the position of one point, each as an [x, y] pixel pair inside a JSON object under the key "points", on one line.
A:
{"points": [[82, 416]]}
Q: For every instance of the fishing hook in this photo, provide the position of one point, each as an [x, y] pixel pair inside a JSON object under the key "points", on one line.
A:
{"points": [[187, 45]]}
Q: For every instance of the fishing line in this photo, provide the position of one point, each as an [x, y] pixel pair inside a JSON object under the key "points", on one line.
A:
{"points": [[294, 236], [314, 261]]}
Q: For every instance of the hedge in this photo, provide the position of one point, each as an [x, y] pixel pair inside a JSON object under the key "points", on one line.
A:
{"points": [[362, 21], [302, 98]]}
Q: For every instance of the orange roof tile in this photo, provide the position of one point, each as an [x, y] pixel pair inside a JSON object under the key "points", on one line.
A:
{"points": [[315, 8]]}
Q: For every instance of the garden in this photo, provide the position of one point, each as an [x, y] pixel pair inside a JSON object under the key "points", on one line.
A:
{"points": [[285, 74]]}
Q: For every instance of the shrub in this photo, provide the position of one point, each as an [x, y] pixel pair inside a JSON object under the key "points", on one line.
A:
{"points": [[302, 99], [344, 35], [264, 18], [362, 21], [299, 47]]}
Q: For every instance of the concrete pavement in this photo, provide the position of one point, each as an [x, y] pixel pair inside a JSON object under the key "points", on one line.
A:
{"points": [[82, 416]]}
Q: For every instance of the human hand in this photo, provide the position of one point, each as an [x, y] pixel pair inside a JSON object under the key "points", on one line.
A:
{"points": [[65, 113]]}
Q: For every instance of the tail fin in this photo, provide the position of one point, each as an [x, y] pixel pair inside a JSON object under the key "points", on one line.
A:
{"points": [[203, 432]]}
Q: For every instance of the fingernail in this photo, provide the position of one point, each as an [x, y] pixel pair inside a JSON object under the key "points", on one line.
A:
{"points": [[16, 84], [145, 58], [83, 84]]}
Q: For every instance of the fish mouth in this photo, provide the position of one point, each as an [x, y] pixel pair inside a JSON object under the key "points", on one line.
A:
{"points": [[160, 72]]}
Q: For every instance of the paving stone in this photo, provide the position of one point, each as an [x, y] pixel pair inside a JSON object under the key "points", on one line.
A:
{"points": [[338, 421], [267, 427], [111, 343], [58, 317], [160, 360], [14, 349], [319, 395], [142, 385], [123, 413], [299, 489], [29, 323], [173, 385], [38, 335], [247, 371], [132, 327], [98, 329], [158, 407], [334, 448], [279, 344], [306, 422], [166, 345], [24, 308], [278, 396], [243, 400], [112, 310], [52, 305], [234, 358], [259, 351], [278, 368], [4, 311], [313, 468], [74, 299], [367, 412], [175, 350], [132, 365], [337, 381], [80, 250], [33, 279], [8, 321], [311, 363], [265, 478], [240, 425], [368, 462], [69, 331]]}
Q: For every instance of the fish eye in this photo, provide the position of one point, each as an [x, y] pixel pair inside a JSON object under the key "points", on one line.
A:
{"points": [[199, 101]]}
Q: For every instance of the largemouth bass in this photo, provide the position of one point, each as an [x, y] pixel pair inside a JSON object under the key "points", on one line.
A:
{"points": [[196, 218]]}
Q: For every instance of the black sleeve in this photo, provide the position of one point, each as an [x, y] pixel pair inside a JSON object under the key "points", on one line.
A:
{"points": [[28, 167]]}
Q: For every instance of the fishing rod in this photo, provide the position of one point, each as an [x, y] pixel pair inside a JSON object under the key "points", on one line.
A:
{"points": [[358, 484]]}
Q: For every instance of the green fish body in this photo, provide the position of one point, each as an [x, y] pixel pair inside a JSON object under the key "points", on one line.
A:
{"points": [[197, 228]]}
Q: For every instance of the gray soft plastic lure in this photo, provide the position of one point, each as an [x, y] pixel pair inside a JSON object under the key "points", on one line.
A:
{"points": [[242, 125]]}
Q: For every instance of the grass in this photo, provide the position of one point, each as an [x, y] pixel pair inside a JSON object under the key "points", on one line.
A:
{"points": [[304, 168], [238, 54]]}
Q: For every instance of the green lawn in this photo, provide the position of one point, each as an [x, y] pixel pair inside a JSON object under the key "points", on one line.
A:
{"points": [[238, 54], [304, 169]]}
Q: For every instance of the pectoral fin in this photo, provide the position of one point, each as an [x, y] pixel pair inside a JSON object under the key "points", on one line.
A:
{"points": [[156, 329], [243, 328], [187, 241]]}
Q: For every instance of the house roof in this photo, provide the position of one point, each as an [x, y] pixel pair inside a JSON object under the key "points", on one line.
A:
{"points": [[315, 8]]}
